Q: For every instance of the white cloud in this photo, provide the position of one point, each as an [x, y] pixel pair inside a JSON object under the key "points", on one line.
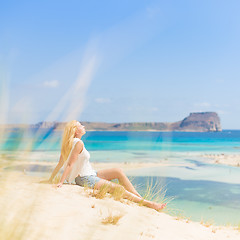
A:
{"points": [[51, 84], [102, 100]]}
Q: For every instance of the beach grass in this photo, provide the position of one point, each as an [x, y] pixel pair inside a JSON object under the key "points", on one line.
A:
{"points": [[207, 223], [156, 192], [118, 193], [181, 216], [112, 219], [101, 192]]}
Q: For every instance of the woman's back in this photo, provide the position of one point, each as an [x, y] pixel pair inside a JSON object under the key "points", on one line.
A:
{"points": [[82, 166]]}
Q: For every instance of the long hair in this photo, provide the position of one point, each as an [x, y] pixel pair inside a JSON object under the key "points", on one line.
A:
{"points": [[67, 139]]}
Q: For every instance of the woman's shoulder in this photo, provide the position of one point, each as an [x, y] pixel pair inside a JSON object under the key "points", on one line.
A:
{"points": [[76, 140], [77, 145]]}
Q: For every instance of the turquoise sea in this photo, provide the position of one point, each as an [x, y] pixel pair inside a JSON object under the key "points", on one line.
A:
{"points": [[201, 189]]}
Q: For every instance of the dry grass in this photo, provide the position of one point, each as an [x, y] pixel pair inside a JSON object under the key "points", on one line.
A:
{"points": [[188, 219], [207, 223], [118, 193], [105, 191], [181, 216], [101, 193], [236, 227], [112, 219], [214, 230], [156, 193], [233, 226], [228, 224]]}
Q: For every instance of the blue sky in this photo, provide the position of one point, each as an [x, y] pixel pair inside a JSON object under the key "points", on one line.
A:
{"points": [[119, 61]]}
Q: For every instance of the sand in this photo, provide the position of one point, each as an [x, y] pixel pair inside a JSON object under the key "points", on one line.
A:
{"points": [[30, 210], [226, 159]]}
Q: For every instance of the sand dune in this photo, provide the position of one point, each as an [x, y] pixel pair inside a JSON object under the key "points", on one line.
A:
{"points": [[31, 210]]}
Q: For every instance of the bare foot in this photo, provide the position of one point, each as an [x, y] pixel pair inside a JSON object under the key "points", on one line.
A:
{"points": [[157, 206]]}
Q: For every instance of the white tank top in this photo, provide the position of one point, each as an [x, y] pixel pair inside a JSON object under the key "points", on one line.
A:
{"points": [[82, 165]]}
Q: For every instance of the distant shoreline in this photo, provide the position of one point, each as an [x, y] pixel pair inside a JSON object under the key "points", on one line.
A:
{"points": [[195, 122], [94, 130]]}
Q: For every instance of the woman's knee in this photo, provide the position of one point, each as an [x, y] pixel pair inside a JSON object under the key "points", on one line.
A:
{"points": [[119, 172]]}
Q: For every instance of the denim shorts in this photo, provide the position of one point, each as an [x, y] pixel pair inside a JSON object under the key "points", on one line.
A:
{"points": [[87, 181]]}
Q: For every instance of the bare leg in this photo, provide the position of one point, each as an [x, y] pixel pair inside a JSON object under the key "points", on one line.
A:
{"points": [[117, 173], [129, 195]]}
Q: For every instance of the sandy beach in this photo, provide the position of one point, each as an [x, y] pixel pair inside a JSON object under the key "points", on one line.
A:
{"points": [[31, 210], [226, 159]]}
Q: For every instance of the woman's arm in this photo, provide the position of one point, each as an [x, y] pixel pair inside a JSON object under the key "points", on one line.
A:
{"points": [[76, 150]]}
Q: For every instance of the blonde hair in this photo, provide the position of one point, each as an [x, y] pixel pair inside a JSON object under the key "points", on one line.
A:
{"points": [[67, 139]]}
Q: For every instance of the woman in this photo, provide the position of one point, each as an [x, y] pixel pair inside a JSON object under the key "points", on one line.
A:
{"points": [[75, 157]]}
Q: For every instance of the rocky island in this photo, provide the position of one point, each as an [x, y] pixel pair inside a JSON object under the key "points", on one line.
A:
{"points": [[195, 122]]}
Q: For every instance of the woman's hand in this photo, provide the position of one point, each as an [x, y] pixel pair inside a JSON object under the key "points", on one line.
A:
{"points": [[59, 185]]}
